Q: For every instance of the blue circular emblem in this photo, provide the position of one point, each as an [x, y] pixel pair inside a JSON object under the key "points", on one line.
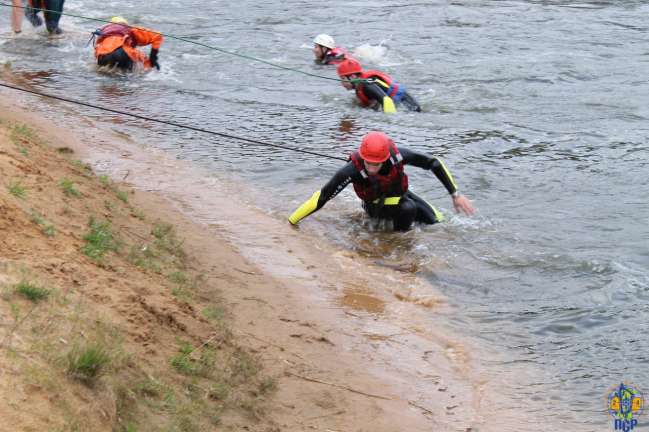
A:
{"points": [[625, 402]]}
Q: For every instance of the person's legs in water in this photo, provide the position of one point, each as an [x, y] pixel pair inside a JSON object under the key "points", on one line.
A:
{"points": [[426, 213], [52, 18], [17, 16], [410, 102], [31, 10], [402, 214], [117, 58]]}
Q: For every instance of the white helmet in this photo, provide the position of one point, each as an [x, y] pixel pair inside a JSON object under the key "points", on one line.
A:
{"points": [[325, 40]]}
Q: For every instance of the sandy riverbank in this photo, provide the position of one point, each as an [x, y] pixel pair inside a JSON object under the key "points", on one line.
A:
{"points": [[212, 317]]}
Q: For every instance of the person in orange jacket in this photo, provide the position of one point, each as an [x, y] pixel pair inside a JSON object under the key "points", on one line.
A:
{"points": [[117, 42]]}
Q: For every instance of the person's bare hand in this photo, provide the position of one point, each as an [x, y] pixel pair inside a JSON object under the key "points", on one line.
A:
{"points": [[463, 204]]}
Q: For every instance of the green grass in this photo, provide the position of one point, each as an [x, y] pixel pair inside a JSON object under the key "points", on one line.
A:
{"points": [[106, 182], [267, 385], [144, 257], [186, 365], [68, 188], [166, 240], [130, 427], [181, 293], [31, 291], [21, 133], [165, 252], [99, 240], [182, 362], [178, 277], [121, 195], [214, 313], [87, 363], [245, 366], [18, 190], [47, 229], [183, 286], [23, 150], [219, 391], [138, 214], [84, 167], [37, 218], [109, 206]]}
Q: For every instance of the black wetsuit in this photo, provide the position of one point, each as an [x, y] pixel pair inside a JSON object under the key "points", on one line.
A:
{"points": [[117, 58], [410, 208], [375, 92]]}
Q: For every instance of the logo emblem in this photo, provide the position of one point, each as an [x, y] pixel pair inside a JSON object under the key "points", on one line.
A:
{"points": [[625, 405]]}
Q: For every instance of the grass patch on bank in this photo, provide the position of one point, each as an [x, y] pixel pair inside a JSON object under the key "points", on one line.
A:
{"points": [[31, 291], [144, 257], [214, 313], [87, 362], [22, 150], [167, 240], [86, 169], [68, 188], [98, 353], [99, 240], [21, 133], [20, 136], [46, 228], [121, 195], [164, 252], [188, 363], [108, 184], [17, 189]]}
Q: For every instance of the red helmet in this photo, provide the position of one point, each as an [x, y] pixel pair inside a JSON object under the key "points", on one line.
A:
{"points": [[375, 147], [349, 66]]}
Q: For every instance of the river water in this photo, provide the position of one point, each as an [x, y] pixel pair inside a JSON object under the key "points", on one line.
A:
{"points": [[538, 108]]}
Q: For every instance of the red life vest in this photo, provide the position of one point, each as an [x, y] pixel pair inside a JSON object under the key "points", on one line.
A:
{"points": [[116, 30], [394, 183], [391, 90], [336, 56]]}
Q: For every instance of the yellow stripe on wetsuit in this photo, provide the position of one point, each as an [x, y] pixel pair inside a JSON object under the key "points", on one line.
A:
{"points": [[388, 201], [305, 209], [388, 103], [439, 216], [448, 173]]}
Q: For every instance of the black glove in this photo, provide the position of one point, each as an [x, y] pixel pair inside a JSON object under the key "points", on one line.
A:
{"points": [[153, 58]]}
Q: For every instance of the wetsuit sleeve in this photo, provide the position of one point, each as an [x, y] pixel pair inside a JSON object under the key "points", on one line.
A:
{"points": [[373, 91], [338, 182], [431, 163], [146, 37]]}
